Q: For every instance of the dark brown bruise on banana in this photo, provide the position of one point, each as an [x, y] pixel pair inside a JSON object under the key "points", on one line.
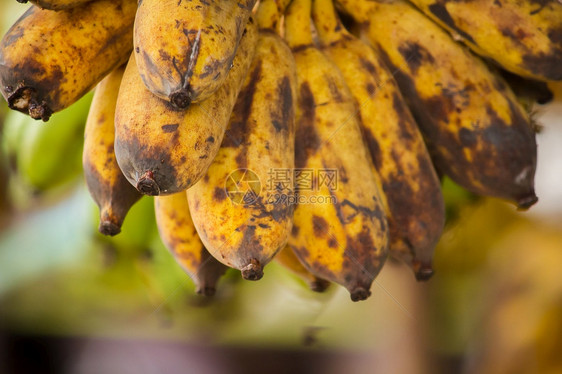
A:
{"points": [[505, 160], [250, 252], [540, 64], [176, 76], [528, 89], [157, 170], [208, 269], [204, 270], [163, 150], [360, 266], [416, 217], [39, 77], [113, 200]]}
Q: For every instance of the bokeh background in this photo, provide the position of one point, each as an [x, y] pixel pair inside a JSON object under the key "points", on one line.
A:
{"points": [[72, 301]]}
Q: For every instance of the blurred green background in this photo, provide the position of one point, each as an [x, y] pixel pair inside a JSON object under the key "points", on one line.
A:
{"points": [[493, 306]]}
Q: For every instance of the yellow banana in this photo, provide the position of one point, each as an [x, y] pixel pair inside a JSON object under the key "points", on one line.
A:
{"points": [[245, 228], [340, 232], [416, 209], [162, 150], [180, 237], [108, 187], [48, 60], [475, 129], [184, 49], [56, 4], [523, 36], [287, 258]]}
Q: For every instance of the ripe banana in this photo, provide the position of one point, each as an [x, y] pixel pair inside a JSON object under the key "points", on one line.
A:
{"points": [[56, 4], [270, 13], [245, 231], [163, 150], [180, 237], [184, 49], [340, 232], [287, 258], [416, 209], [523, 36], [113, 194], [48, 60], [476, 130]]}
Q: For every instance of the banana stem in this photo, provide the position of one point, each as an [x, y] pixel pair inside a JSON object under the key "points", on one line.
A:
{"points": [[327, 22], [298, 24]]}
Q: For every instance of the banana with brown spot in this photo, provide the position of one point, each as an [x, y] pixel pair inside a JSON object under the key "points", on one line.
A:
{"points": [[476, 131], [245, 231], [523, 36], [48, 60], [113, 194], [184, 49], [180, 237], [287, 258], [56, 4], [163, 150], [343, 236], [416, 213]]}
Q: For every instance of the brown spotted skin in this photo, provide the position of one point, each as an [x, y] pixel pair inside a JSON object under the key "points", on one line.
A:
{"points": [[56, 4], [476, 131], [287, 258], [184, 49], [48, 59], [247, 234], [180, 237], [343, 237], [113, 194], [163, 150], [523, 36], [416, 211]]}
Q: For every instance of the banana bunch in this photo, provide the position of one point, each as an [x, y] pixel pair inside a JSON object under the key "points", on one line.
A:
{"points": [[270, 131]]}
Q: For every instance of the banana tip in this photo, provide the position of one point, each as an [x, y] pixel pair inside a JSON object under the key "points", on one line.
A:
{"points": [[527, 201], [359, 294], [424, 274], [319, 285], [206, 291], [42, 112], [147, 185], [109, 228], [180, 99], [253, 271], [23, 98]]}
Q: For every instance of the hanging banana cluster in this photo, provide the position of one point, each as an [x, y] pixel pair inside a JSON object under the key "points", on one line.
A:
{"points": [[274, 131]]}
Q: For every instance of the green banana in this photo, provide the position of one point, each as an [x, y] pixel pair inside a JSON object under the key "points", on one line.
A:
{"points": [[50, 154]]}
